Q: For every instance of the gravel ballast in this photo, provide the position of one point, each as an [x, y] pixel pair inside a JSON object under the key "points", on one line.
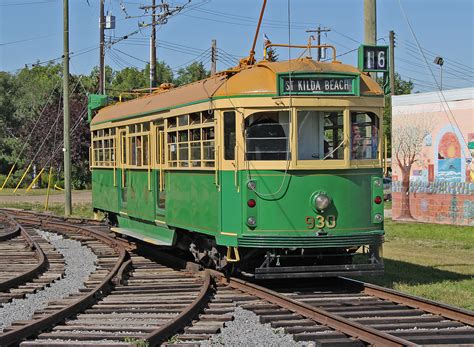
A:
{"points": [[79, 264], [246, 330]]}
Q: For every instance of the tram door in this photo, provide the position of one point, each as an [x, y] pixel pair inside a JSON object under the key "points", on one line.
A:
{"points": [[122, 134], [160, 189]]}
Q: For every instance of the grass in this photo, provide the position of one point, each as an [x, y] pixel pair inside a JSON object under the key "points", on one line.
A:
{"points": [[80, 210], [32, 192], [430, 260], [387, 204]]}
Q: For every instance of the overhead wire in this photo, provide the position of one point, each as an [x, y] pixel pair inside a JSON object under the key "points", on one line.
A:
{"points": [[440, 93]]}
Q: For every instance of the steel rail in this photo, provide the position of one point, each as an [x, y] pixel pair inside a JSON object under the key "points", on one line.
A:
{"points": [[16, 335], [14, 232], [41, 219], [35, 271], [192, 310], [74, 220], [447, 311], [346, 326]]}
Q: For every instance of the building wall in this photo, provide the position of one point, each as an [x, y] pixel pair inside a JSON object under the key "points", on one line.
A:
{"points": [[438, 139]]}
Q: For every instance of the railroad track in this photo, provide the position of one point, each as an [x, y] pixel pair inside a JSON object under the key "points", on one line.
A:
{"points": [[129, 297], [141, 294], [356, 313], [28, 263]]}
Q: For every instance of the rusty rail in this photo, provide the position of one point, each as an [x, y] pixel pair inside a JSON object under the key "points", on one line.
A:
{"points": [[447, 311], [16, 335], [359, 331], [32, 273], [14, 232], [163, 333]]}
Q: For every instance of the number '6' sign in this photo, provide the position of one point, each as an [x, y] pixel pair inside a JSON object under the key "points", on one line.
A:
{"points": [[373, 58]]}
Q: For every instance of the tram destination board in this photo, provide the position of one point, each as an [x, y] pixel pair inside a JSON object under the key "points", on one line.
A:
{"points": [[314, 84], [373, 58]]}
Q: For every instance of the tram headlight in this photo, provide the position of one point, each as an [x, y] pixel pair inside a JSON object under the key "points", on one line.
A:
{"points": [[251, 221], [321, 202], [251, 185], [378, 218]]}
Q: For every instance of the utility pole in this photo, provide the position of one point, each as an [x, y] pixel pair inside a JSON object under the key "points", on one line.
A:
{"points": [[214, 57], [153, 47], [391, 64], [162, 18], [66, 149], [370, 23], [101, 50], [318, 32]]}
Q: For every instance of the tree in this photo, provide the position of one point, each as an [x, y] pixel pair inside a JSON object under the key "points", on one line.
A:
{"points": [[401, 87], [272, 55], [192, 73], [407, 144], [129, 79], [7, 120], [164, 74], [35, 123], [92, 81]]}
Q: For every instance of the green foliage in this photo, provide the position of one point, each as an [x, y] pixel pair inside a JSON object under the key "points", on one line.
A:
{"points": [[192, 73], [164, 74], [136, 342], [272, 54], [7, 119], [128, 79]]}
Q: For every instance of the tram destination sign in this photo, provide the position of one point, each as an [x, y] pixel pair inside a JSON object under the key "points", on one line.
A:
{"points": [[373, 58], [318, 84]]}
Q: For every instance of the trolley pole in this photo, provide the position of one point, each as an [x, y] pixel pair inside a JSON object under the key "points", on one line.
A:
{"points": [[214, 57], [101, 49], [66, 149], [153, 47], [391, 65], [370, 23]]}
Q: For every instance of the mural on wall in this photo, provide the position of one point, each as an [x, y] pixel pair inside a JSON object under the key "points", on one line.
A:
{"points": [[406, 148], [433, 172], [449, 158]]}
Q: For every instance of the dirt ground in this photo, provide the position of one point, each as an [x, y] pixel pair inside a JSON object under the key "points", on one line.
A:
{"points": [[77, 197]]}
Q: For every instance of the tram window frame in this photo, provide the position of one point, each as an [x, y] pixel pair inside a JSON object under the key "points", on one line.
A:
{"points": [[190, 141], [330, 144], [364, 151], [103, 148], [138, 143], [230, 132], [268, 119]]}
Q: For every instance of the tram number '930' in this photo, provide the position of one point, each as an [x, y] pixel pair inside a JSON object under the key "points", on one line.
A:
{"points": [[321, 222]]}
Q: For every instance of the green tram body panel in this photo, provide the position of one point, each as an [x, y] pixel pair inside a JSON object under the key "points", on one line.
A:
{"points": [[283, 206]]}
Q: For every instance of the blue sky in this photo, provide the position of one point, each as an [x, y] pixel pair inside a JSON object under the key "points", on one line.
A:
{"points": [[31, 30]]}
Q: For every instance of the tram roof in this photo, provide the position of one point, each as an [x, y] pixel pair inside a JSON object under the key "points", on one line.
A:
{"points": [[258, 79]]}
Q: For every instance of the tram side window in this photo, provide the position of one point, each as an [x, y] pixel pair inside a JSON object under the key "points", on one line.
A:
{"points": [[320, 135], [103, 148], [229, 135], [190, 140], [267, 136], [364, 135], [138, 135]]}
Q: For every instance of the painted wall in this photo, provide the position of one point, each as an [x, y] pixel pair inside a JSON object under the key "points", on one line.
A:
{"points": [[433, 145]]}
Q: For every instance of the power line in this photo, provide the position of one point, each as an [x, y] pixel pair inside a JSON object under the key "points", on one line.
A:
{"points": [[441, 96], [436, 54]]}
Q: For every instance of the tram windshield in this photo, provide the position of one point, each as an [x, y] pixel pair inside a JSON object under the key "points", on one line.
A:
{"points": [[364, 135], [267, 135], [320, 135]]}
